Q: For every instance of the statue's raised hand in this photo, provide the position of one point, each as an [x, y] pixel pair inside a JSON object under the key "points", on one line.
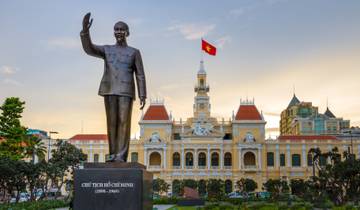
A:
{"points": [[87, 22]]}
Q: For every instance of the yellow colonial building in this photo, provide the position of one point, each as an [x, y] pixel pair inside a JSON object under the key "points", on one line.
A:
{"points": [[203, 147]]}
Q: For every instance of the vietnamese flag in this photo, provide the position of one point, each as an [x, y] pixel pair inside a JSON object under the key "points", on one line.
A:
{"points": [[207, 47]]}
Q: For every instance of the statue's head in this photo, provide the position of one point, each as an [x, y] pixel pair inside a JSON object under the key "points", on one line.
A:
{"points": [[121, 31]]}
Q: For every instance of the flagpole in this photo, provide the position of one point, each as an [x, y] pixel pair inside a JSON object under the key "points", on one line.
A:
{"points": [[201, 51]]}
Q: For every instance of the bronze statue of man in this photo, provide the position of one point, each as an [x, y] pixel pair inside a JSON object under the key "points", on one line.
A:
{"points": [[117, 85]]}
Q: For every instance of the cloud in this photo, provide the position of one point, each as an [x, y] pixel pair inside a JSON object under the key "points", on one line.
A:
{"points": [[272, 2], [8, 70], [272, 129], [272, 114], [236, 12], [64, 42], [8, 81], [222, 41], [135, 21], [192, 31]]}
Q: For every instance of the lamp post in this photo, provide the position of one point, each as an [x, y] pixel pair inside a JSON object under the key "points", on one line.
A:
{"points": [[351, 142], [49, 144]]}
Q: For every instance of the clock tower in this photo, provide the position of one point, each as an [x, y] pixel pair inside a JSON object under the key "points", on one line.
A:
{"points": [[201, 100]]}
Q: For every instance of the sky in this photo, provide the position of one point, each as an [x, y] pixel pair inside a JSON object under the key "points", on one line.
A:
{"points": [[266, 50]]}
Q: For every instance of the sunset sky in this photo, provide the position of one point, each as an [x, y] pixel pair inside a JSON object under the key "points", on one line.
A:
{"points": [[266, 49]]}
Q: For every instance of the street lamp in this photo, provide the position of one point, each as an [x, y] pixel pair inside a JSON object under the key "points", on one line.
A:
{"points": [[49, 150]]}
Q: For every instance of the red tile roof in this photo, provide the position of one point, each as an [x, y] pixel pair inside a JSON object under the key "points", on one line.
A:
{"points": [[156, 112], [248, 112], [88, 137], [305, 137]]}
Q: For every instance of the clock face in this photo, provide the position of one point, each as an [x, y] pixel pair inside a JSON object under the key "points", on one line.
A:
{"points": [[249, 137], [155, 137], [200, 129]]}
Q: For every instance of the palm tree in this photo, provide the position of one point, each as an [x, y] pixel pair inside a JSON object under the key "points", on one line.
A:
{"points": [[34, 147]]}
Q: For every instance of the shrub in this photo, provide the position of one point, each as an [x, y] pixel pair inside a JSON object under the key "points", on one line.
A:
{"points": [[36, 205], [166, 200]]}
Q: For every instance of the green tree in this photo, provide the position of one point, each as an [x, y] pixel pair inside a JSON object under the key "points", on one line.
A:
{"points": [[202, 187], [34, 147], [215, 189], [246, 185], [34, 174], [12, 174], [190, 183], [11, 129], [176, 187], [276, 187], [160, 186], [65, 158]]}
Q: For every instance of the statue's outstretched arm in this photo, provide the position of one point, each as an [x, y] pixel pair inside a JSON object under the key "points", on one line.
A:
{"points": [[88, 46]]}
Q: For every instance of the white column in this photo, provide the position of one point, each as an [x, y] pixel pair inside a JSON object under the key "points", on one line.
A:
{"points": [[221, 157], [164, 157], [288, 156], [182, 157], [304, 157], [240, 159], [277, 156], [259, 158], [91, 157], [196, 164], [208, 157], [145, 157]]}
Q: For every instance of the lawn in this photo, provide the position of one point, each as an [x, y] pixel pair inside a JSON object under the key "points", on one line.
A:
{"points": [[183, 208]]}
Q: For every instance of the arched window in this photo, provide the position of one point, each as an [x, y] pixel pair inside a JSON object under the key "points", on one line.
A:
{"points": [[155, 159], [296, 160], [189, 160], [96, 158], [309, 160], [228, 186], [202, 159], [176, 159], [134, 157], [249, 160], [270, 159], [282, 160], [215, 159], [227, 159]]}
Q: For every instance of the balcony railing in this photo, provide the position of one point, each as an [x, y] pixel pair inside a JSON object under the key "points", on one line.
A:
{"points": [[189, 167], [227, 167], [154, 167], [215, 167], [250, 167], [202, 167], [176, 167]]}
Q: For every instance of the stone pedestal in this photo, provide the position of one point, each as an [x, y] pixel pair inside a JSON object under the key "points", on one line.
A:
{"points": [[113, 186]]}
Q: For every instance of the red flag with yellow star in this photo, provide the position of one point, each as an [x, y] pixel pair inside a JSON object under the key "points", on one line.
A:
{"points": [[207, 47]]}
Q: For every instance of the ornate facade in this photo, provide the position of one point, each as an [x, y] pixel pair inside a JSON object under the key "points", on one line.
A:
{"points": [[203, 147]]}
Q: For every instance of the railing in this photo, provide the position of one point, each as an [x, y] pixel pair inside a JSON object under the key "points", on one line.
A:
{"points": [[227, 167], [202, 167], [250, 167], [176, 167], [189, 167], [215, 167], [154, 167]]}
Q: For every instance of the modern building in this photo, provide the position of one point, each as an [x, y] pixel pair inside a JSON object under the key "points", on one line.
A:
{"points": [[203, 147], [302, 118]]}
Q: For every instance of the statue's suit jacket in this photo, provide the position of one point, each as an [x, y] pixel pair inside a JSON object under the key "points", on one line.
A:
{"points": [[121, 63]]}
